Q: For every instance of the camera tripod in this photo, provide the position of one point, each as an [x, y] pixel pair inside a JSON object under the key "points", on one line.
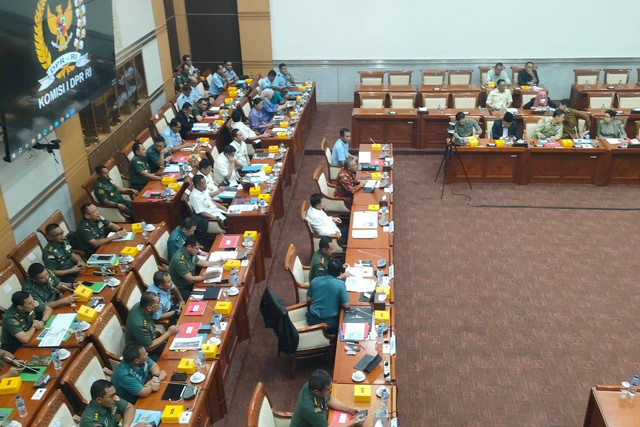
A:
{"points": [[449, 151]]}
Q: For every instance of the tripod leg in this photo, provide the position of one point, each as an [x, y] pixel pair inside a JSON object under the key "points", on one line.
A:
{"points": [[441, 163], [463, 168], [446, 159]]}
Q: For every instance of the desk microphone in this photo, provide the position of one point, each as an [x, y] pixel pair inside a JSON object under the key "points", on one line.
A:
{"points": [[381, 263], [66, 287], [372, 141], [211, 321]]}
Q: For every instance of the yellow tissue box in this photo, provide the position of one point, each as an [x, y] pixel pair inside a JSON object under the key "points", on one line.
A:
{"points": [[374, 207], [267, 169], [567, 143], [362, 393], [129, 250], [254, 235], [10, 385], [219, 122], [210, 350], [232, 263], [223, 307], [175, 186], [473, 143], [254, 191], [136, 227], [84, 293], [273, 149], [383, 289], [87, 314], [491, 84], [284, 124], [204, 140], [228, 100], [376, 176], [248, 81], [499, 142], [291, 113], [376, 147], [166, 180], [301, 88], [381, 316], [298, 98], [282, 135], [172, 414], [186, 366], [525, 87], [265, 197]]}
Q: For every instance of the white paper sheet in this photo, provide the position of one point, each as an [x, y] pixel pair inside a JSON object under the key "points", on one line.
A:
{"points": [[127, 237], [365, 219], [613, 141], [58, 329], [354, 331], [364, 157], [225, 255], [364, 234], [358, 284], [193, 343]]}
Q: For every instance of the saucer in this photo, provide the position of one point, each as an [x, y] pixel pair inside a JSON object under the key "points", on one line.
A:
{"points": [[113, 282], [358, 376], [150, 227], [128, 259], [233, 291], [63, 353], [197, 378], [84, 325], [214, 340]]}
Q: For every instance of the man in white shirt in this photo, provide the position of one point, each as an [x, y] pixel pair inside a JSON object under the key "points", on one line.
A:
{"points": [[499, 98], [321, 223], [204, 169], [201, 202], [241, 147], [225, 167], [250, 136]]}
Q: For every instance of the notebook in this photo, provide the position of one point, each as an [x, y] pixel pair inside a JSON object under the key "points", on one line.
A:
{"points": [[188, 330], [368, 363], [195, 308]]}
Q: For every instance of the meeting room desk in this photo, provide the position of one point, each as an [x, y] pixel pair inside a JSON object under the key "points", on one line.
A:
{"points": [[343, 368], [169, 210], [606, 408], [566, 165], [448, 89], [623, 164], [344, 392], [381, 88], [27, 390], [631, 127], [373, 255], [248, 275], [488, 164], [208, 406], [384, 239], [435, 123], [579, 93], [399, 129], [516, 94]]}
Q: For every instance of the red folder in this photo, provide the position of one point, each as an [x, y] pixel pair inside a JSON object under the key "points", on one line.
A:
{"points": [[150, 193], [179, 159], [335, 418], [376, 162], [189, 330], [229, 242], [174, 175], [195, 308]]}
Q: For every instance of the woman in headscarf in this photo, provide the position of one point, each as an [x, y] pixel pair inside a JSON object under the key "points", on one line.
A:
{"points": [[540, 101], [269, 109]]}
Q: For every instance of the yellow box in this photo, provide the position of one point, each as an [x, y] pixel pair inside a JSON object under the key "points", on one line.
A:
{"points": [[291, 113], [374, 207], [265, 197], [175, 186], [491, 84], [376, 176], [136, 227], [186, 366], [254, 235], [282, 135], [381, 316], [284, 124], [84, 293], [87, 314], [219, 122], [273, 149], [223, 307], [298, 98], [499, 142], [172, 414], [383, 289], [473, 143], [228, 100], [248, 81], [301, 88], [210, 350], [204, 140], [362, 393], [10, 385], [267, 169], [129, 250], [166, 180], [254, 191], [525, 87], [567, 143], [232, 263], [376, 147]]}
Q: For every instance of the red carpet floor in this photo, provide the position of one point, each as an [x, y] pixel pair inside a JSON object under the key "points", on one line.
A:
{"points": [[505, 316]]}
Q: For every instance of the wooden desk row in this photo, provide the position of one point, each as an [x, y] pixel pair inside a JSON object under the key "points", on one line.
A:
{"points": [[606, 164], [580, 93]]}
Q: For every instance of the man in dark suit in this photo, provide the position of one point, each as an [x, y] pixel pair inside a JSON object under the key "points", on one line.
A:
{"points": [[505, 127]]}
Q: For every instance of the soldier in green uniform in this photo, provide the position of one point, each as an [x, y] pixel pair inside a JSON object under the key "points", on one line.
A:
{"points": [[140, 328], [91, 230], [321, 258], [183, 76], [179, 235], [106, 409], [136, 375], [315, 400], [19, 323], [139, 171], [45, 288], [59, 257], [158, 154], [199, 109], [183, 264], [109, 194]]}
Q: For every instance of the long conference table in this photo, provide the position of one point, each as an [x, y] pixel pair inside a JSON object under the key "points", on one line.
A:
{"points": [[368, 249]]}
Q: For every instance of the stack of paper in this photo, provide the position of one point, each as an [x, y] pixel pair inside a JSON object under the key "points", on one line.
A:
{"points": [[359, 284], [364, 157], [364, 234], [365, 219]]}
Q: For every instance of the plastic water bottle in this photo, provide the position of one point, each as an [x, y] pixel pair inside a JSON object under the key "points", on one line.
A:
{"points": [[200, 360], [22, 408], [379, 335], [602, 107], [234, 278], [634, 387], [55, 360], [382, 414], [586, 84], [282, 148], [439, 107], [248, 242], [263, 206]]}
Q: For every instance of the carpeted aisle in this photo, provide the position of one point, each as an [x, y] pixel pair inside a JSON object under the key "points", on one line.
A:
{"points": [[505, 316]]}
